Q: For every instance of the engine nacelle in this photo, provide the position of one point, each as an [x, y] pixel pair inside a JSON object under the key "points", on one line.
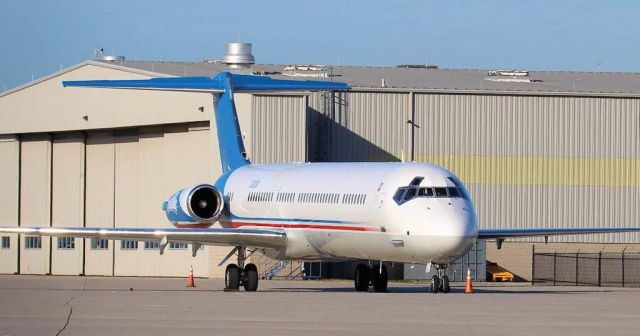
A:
{"points": [[197, 206]]}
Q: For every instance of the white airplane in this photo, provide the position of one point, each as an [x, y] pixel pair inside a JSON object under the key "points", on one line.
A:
{"points": [[402, 212]]}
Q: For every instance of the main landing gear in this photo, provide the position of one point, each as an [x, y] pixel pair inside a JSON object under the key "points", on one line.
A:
{"points": [[237, 275], [440, 281], [371, 276]]}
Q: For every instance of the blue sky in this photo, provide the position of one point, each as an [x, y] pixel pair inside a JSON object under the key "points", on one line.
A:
{"points": [[39, 37]]}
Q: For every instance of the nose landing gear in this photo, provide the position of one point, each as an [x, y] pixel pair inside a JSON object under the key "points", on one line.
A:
{"points": [[366, 276], [440, 281], [237, 275]]}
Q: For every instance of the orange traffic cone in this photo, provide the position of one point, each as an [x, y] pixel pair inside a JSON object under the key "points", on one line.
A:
{"points": [[190, 281], [469, 288]]}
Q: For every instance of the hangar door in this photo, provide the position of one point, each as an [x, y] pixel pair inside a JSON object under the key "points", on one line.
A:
{"points": [[129, 174]]}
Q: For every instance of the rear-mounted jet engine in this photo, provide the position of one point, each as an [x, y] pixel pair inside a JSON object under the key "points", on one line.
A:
{"points": [[197, 206]]}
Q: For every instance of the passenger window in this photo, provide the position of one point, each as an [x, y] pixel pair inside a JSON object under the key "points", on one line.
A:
{"points": [[440, 192]]}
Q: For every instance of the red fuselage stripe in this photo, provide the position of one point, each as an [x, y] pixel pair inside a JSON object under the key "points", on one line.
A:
{"points": [[303, 226]]}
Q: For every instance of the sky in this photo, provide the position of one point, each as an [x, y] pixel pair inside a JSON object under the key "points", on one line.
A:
{"points": [[41, 37]]}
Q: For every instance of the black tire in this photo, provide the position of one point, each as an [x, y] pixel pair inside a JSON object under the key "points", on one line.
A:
{"points": [[445, 284], [380, 280], [250, 278], [232, 277], [361, 279], [435, 284]]}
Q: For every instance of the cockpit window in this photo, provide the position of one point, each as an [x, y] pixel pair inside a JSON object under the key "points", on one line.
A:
{"points": [[416, 181], [440, 191], [407, 193], [399, 195], [425, 192], [461, 190], [411, 194]]}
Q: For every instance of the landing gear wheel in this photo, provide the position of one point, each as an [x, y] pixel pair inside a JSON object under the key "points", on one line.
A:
{"points": [[435, 284], [445, 284], [361, 278], [232, 277], [380, 280], [250, 278]]}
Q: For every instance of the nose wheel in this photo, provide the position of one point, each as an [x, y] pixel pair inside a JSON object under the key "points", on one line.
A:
{"points": [[440, 281], [237, 275]]}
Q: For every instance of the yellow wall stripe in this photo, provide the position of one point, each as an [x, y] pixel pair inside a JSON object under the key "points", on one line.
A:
{"points": [[541, 170]]}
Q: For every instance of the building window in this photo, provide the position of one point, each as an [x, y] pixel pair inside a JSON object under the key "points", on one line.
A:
{"points": [[6, 242], [32, 243], [66, 243], [178, 246], [151, 245], [99, 244], [128, 244]]}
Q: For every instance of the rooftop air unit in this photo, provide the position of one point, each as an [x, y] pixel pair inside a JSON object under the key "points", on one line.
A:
{"points": [[238, 56]]}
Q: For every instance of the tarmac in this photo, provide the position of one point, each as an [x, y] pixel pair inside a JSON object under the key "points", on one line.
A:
{"points": [[58, 305]]}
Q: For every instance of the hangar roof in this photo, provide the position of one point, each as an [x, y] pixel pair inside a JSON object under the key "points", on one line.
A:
{"points": [[395, 78]]}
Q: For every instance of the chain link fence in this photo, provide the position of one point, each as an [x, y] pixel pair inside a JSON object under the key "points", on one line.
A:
{"points": [[586, 269]]}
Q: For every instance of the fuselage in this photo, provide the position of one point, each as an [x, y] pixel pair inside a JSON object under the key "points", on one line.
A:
{"points": [[405, 212]]}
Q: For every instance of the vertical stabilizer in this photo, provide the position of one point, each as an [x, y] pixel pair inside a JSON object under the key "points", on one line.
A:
{"points": [[232, 151]]}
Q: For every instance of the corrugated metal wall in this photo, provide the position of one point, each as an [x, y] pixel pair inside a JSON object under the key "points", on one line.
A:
{"points": [[360, 126], [278, 129], [534, 161]]}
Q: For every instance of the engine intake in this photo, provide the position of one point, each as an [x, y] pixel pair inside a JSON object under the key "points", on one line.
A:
{"points": [[199, 205]]}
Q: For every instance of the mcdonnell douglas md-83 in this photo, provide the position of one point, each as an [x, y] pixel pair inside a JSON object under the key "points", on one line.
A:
{"points": [[403, 212]]}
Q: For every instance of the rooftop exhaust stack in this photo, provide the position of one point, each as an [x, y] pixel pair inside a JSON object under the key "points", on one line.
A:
{"points": [[238, 56]]}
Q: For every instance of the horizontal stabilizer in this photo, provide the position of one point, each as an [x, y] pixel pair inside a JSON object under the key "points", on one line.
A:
{"points": [[239, 83]]}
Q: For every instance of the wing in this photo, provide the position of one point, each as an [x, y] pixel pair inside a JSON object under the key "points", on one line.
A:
{"points": [[265, 238], [538, 232]]}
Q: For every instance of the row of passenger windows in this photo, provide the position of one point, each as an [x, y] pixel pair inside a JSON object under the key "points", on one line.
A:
{"points": [[354, 198], [69, 243], [318, 198], [260, 197], [289, 197]]}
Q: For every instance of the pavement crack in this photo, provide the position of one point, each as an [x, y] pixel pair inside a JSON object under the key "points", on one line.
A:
{"points": [[68, 316], [84, 287]]}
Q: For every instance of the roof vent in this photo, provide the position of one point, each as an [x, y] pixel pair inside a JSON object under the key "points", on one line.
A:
{"points": [[417, 66], [306, 70], [100, 56], [518, 76], [238, 56]]}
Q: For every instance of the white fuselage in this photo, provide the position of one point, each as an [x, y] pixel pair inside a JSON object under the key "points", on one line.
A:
{"points": [[347, 210]]}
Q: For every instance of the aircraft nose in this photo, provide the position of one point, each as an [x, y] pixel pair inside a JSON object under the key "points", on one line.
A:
{"points": [[459, 223], [457, 229]]}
